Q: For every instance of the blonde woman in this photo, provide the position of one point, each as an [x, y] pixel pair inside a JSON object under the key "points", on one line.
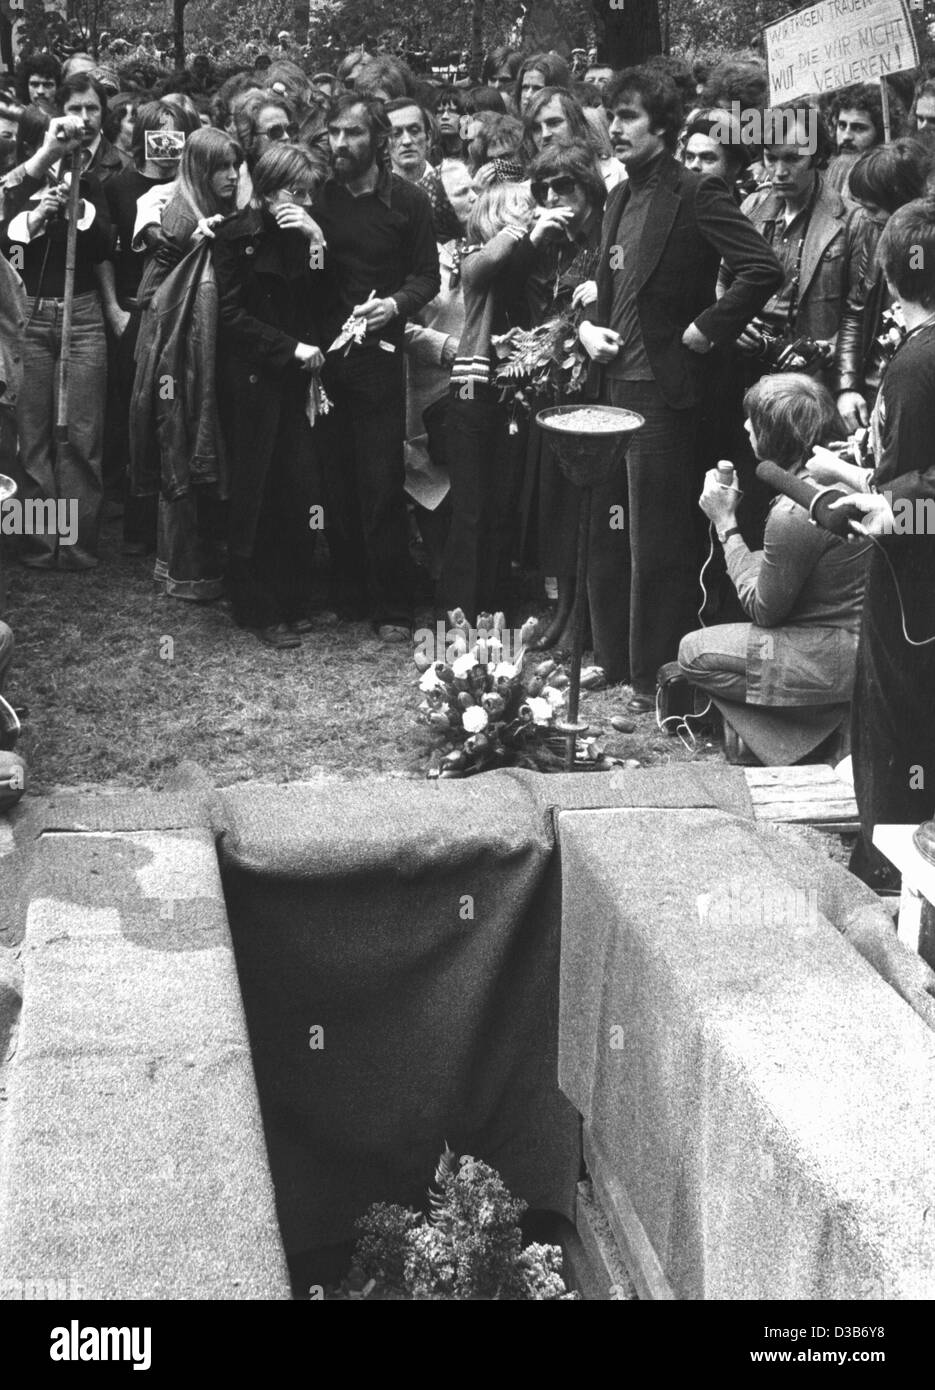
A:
{"points": [[484, 457]]}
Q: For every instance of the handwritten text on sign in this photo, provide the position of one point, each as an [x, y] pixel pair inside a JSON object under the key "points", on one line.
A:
{"points": [[835, 43]]}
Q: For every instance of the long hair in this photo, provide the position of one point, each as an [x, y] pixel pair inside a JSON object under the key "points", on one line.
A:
{"points": [[579, 162], [245, 115], [553, 67], [205, 153], [499, 206], [578, 128], [159, 115]]}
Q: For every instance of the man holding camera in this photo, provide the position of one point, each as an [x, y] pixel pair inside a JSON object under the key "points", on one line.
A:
{"points": [[819, 241]]}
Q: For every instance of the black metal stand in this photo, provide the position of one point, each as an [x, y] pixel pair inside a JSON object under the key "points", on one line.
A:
{"points": [[587, 458], [571, 727]]}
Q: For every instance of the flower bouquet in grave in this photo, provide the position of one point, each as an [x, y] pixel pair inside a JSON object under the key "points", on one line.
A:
{"points": [[485, 711], [547, 360]]}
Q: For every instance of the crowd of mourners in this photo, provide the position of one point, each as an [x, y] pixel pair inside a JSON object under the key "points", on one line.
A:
{"points": [[296, 296]]}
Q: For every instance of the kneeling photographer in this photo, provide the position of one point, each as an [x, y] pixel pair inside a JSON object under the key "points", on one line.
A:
{"points": [[802, 592]]}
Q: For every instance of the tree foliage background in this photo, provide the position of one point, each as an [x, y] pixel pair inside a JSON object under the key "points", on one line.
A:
{"points": [[625, 32]]}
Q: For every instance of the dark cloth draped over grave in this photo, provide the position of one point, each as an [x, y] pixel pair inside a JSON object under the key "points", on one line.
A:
{"points": [[421, 936]]}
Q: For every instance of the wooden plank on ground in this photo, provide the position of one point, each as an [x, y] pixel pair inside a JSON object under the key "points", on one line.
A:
{"points": [[811, 795]]}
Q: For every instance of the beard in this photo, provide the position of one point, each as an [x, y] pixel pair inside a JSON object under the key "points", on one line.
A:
{"points": [[348, 166]]}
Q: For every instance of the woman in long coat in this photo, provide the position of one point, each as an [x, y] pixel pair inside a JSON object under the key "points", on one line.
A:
{"points": [[563, 177], [267, 349]]}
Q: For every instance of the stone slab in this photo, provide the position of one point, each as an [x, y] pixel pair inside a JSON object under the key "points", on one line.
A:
{"points": [[764, 1098], [133, 1158]]}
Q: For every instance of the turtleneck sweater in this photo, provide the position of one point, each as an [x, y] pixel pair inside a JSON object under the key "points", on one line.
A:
{"points": [[631, 362]]}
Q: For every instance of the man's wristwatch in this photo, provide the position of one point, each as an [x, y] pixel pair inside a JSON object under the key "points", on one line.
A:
{"points": [[731, 531]]}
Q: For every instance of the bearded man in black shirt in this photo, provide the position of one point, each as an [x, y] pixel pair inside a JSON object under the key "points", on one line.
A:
{"points": [[380, 264]]}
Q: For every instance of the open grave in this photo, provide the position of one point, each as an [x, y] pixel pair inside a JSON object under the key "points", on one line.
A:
{"points": [[232, 1019]]}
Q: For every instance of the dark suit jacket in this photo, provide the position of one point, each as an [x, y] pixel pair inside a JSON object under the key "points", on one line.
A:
{"points": [[692, 225], [106, 162]]}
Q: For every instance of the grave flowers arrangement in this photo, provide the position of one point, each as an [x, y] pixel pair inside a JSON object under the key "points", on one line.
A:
{"points": [[486, 706], [468, 1247]]}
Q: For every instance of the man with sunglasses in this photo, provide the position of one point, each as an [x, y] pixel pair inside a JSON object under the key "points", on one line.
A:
{"points": [[665, 232]]}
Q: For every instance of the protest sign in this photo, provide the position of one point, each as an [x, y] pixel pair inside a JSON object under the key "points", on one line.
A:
{"points": [[835, 43]]}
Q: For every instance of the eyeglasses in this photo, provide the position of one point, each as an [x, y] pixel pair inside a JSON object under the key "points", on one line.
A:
{"points": [[302, 196], [561, 185], [280, 132]]}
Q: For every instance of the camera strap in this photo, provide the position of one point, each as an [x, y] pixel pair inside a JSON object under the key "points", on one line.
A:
{"points": [[793, 311]]}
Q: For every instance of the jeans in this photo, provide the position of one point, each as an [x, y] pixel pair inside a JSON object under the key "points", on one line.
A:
{"points": [[643, 578], [366, 521], [71, 471], [715, 659]]}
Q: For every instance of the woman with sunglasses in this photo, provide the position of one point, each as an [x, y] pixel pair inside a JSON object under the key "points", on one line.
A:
{"points": [[567, 184], [259, 119], [267, 349]]}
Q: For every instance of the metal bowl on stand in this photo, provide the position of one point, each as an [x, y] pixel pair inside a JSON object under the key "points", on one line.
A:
{"points": [[590, 444]]}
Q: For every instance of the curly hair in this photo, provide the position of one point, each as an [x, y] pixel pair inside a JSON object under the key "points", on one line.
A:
{"points": [[865, 97], [658, 94]]}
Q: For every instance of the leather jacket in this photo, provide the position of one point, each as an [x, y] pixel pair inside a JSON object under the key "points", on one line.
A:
{"points": [[175, 437], [857, 333], [833, 259]]}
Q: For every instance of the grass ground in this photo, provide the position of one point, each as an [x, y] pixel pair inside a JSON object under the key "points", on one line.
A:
{"points": [[122, 684]]}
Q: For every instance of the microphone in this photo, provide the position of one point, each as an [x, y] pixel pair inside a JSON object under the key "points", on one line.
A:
{"points": [[816, 500]]}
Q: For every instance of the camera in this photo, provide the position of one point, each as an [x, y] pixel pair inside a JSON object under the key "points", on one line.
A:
{"points": [[782, 355]]}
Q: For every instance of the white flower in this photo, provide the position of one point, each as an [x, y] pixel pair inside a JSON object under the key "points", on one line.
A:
{"points": [[488, 648], [504, 671], [541, 709], [429, 680], [555, 698], [464, 665], [474, 719]]}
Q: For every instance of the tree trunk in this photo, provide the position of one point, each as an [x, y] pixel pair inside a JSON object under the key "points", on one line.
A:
{"points": [[477, 39], [543, 30], [178, 25], [300, 17], [627, 31]]}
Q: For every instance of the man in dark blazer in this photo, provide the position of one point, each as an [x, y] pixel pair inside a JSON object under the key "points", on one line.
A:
{"points": [[666, 231]]}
